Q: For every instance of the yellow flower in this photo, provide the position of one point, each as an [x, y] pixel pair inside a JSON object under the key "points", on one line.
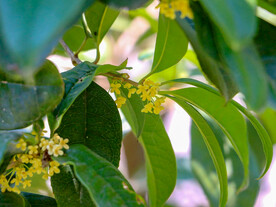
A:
{"points": [[168, 8], [131, 91], [33, 149], [16, 180], [43, 144], [26, 183], [25, 158], [56, 138], [142, 89], [147, 108], [145, 96], [22, 144], [50, 147], [54, 168], [115, 88], [120, 101], [57, 150], [157, 109], [127, 85], [63, 143]]}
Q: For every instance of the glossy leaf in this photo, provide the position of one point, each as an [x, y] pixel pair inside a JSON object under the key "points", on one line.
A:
{"points": [[130, 4], [12, 199], [210, 140], [211, 68], [26, 41], [105, 184], [171, 45], [204, 169], [21, 105], [76, 81], [235, 19], [7, 147], [160, 158], [93, 120], [263, 135], [68, 191], [37, 200], [226, 116], [99, 18]]}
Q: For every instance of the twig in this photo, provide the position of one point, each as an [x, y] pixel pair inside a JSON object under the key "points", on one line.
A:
{"points": [[113, 75], [70, 52]]}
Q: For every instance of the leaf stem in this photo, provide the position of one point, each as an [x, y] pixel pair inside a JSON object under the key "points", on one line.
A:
{"points": [[74, 59], [98, 56], [81, 47]]}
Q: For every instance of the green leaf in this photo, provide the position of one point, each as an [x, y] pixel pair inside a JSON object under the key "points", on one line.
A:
{"points": [[235, 19], [130, 4], [211, 68], [93, 120], [266, 45], [268, 118], [212, 144], [247, 69], [37, 200], [105, 184], [12, 200], [269, 5], [68, 190], [99, 18], [226, 116], [111, 68], [7, 147], [76, 81], [132, 111], [26, 41], [74, 38], [204, 169], [243, 65], [160, 158], [171, 45], [263, 135], [21, 105]]}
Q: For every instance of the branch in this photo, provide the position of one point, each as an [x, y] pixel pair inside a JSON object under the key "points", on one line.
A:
{"points": [[70, 52]]}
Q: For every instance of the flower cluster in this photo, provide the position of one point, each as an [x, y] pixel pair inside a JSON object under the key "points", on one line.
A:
{"points": [[169, 7], [33, 159], [147, 90]]}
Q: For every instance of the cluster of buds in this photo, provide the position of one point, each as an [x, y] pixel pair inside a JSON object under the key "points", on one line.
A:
{"points": [[169, 7], [35, 159], [147, 90]]}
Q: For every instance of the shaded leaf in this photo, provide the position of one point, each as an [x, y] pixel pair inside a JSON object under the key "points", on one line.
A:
{"points": [[211, 68], [93, 120], [204, 170], [266, 45], [105, 184], [243, 65], [235, 19], [68, 190], [12, 199], [210, 140], [26, 41], [76, 81], [268, 118], [269, 5], [37, 200], [160, 158], [7, 147], [226, 116], [21, 105]]}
